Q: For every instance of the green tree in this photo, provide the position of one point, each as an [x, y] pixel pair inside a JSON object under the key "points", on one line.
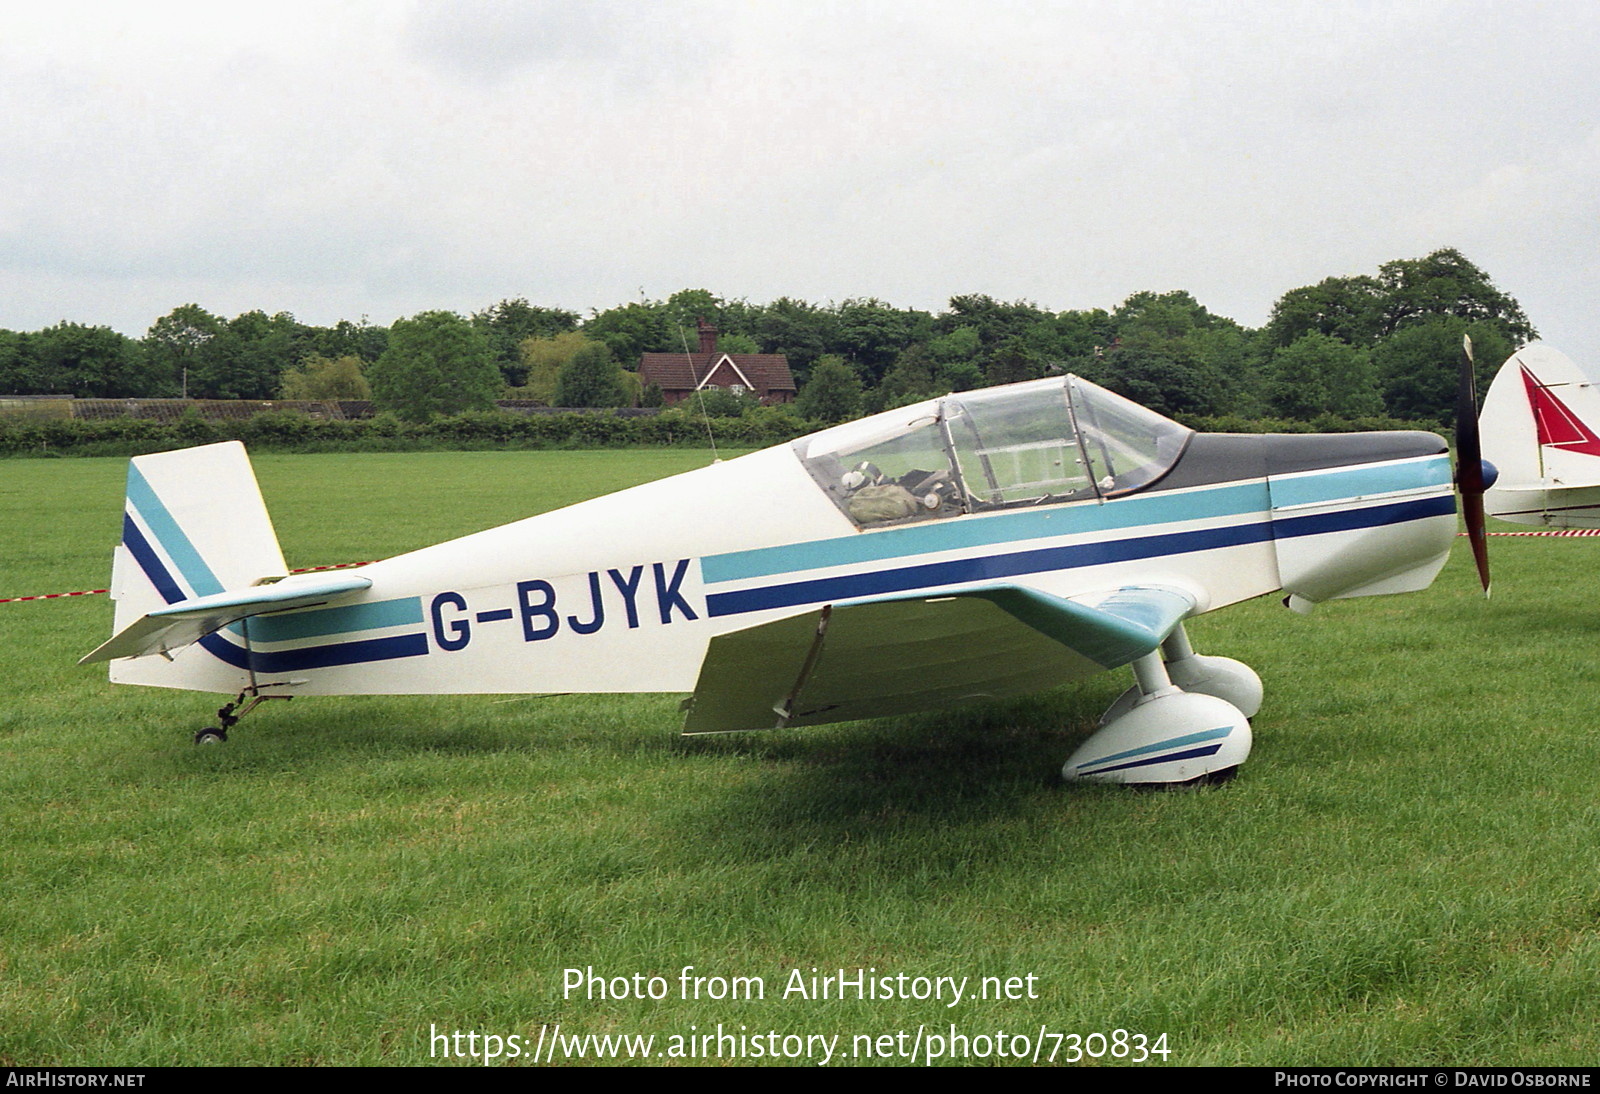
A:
{"points": [[994, 322], [92, 363], [1419, 365], [17, 372], [1347, 308], [347, 339], [914, 376], [959, 376], [635, 329], [960, 344], [591, 378], [508, 324], [1364, 310], [1161, 316], [872, 334], [1179, 357], [685, 308], [542, 360], [1072, 340], [957, 359], [319, 378], [247, 357], [1446, 284], [437, 363], [800, 331], [174, 343], [1155, 380], [833, 393], [1012, 363], [1318, 374], [720, 402]]}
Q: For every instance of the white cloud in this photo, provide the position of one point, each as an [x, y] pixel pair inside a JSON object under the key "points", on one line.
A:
{"points": [[338, 160]]}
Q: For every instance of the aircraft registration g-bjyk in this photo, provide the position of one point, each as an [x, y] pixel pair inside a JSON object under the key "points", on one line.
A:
{"points": [[980, 545]]}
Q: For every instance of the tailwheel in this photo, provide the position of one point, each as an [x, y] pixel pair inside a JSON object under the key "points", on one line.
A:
{"points": [[229, 714]]}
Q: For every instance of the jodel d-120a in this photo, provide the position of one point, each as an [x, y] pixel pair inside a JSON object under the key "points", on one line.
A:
{"points": [[980, 545]]}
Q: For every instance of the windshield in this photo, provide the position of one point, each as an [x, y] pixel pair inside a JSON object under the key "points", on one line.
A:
{"points": [[1016, 444], [1036, 443], [1128, 446]]}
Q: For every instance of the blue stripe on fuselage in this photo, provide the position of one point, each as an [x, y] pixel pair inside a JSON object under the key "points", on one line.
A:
{"points": [[986, 529], [1018, 563], [1013, 526], [317, 657], [314, 657]]}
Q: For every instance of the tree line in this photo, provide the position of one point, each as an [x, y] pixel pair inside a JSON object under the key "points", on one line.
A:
{"points": [[1348, 347]]}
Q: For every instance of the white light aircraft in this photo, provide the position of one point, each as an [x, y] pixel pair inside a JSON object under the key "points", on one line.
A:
{"points": [[1539, 425], [984, 544]]}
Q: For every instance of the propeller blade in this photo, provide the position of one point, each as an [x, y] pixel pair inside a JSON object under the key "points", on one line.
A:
{"points": [[1469, 463]]}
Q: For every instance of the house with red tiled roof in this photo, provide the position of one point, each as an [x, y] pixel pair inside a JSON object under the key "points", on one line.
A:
{"points": [[680, 375]]}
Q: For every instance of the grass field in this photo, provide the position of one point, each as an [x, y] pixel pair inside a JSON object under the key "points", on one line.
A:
{"points": [[1407, 871]]}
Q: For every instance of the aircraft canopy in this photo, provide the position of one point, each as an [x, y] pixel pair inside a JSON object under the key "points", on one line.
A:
{"points": [[1048, 441]]}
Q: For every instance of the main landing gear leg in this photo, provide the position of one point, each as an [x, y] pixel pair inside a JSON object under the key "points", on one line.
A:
{"points": [[1223, 677], [229, 714], [1158, 733]]}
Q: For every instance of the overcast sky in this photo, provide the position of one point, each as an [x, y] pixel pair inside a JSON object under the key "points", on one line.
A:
{"points": [[343, 159]]}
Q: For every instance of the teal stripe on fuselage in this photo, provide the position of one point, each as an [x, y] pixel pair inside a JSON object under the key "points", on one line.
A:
{"points": [[317, 622], [1016, 525], [170, 535], [987, 529], [1348, 482]]}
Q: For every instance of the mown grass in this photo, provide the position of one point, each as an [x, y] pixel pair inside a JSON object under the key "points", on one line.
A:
{"points": [[1406, 872]]}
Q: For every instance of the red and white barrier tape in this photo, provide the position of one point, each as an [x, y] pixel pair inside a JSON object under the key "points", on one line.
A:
{"points": [[51, 596], [1548, 532], [96, 592]]}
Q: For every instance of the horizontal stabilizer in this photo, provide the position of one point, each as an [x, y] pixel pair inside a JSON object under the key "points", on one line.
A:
{"points": [[190, 620], [895, 655]]}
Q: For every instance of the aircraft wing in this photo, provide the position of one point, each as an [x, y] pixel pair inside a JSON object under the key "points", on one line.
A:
{"points": [[187, 621], [891, 655]]}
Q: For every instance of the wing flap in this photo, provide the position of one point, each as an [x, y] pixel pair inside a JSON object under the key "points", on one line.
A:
{"points": [[187, 621], [894, 655]]}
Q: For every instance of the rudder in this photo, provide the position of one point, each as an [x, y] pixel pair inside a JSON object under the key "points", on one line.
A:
{"points": [[194, 524]]}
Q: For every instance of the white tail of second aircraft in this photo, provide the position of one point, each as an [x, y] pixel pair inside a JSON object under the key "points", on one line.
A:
{"points": [[1541, 429]]}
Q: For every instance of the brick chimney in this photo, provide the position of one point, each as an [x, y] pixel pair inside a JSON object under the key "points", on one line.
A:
{"points": [[708, 336]]}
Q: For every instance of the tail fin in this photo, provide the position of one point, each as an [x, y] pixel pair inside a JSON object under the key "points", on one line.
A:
{"points": [[194, 525], [1541, 429]]}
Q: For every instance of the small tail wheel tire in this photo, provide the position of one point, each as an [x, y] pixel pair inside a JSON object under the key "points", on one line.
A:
{"points": [[211, 735]]}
